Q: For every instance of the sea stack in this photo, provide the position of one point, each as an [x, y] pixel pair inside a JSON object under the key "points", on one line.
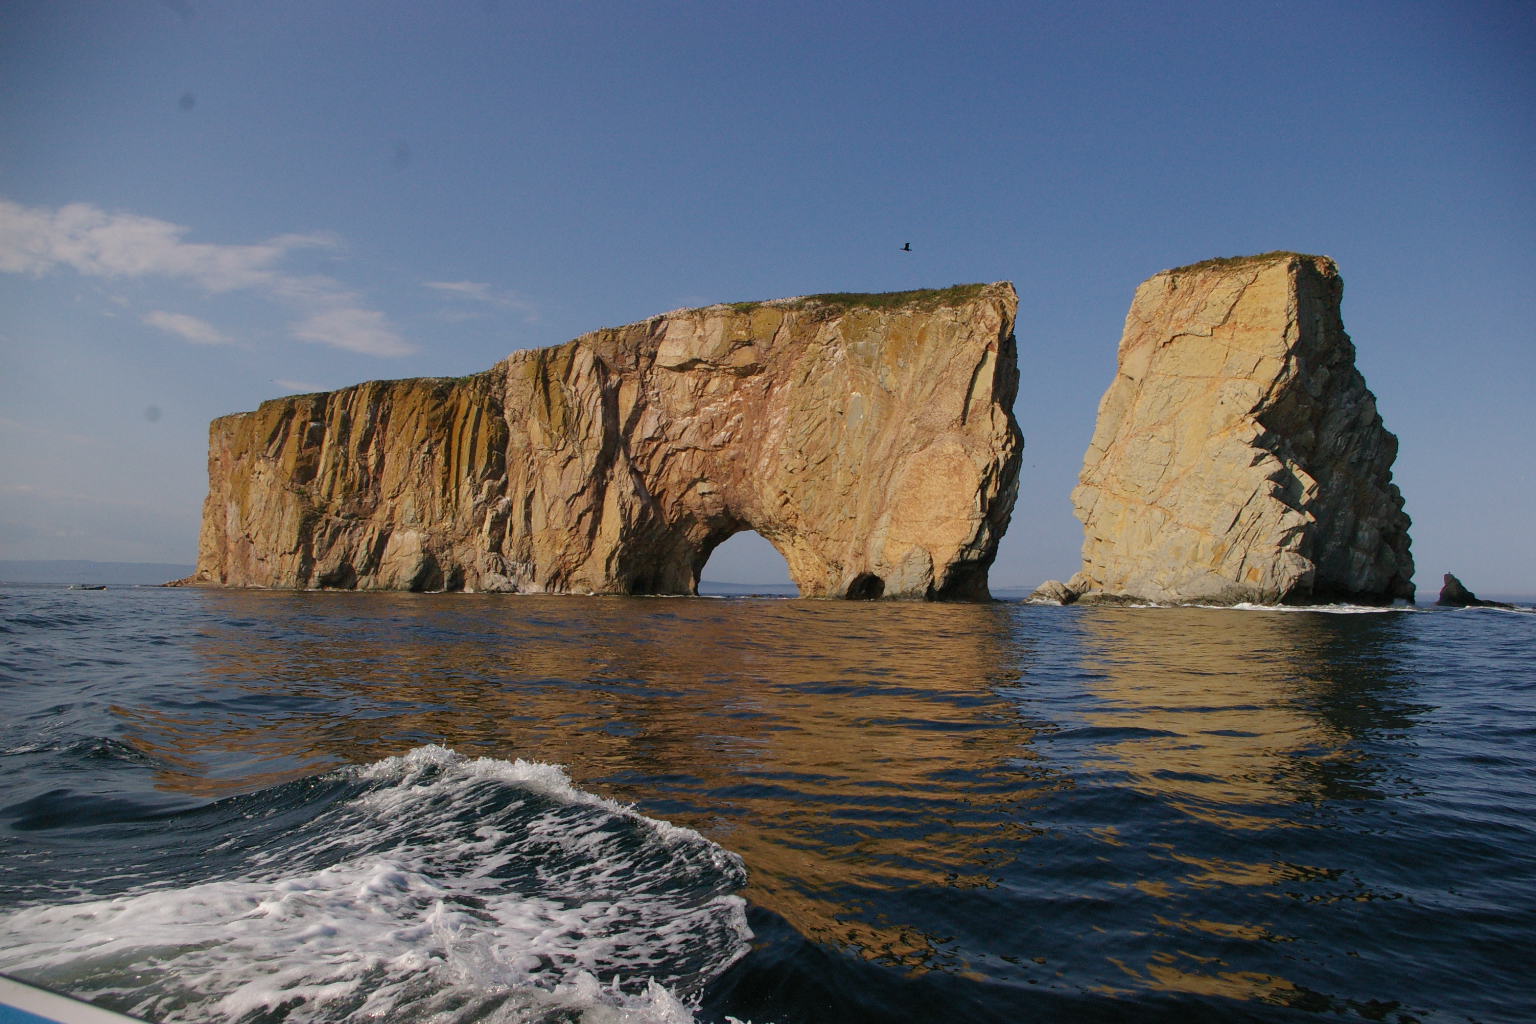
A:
{"points": [[1454, 594], [1238, 455], [869, 438]]}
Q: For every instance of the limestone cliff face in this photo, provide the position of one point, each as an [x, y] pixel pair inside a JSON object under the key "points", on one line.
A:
{"points": [[1238, 455], [870, 439]]}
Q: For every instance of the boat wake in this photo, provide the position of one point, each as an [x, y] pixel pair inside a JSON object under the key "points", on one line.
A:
{"points": [[423, 887]]}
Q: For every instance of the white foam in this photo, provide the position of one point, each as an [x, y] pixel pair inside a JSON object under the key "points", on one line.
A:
{"points": [[427, 926], [1324, 609], [26, 748], [409, 770], [1517, 609]]}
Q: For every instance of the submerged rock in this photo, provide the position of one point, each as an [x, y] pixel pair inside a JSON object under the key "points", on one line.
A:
{"points": [[1238, 455], [869, 438]]}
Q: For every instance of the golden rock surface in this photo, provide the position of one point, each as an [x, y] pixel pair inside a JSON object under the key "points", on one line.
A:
{"points": [[1238, 454], [870, 439]]}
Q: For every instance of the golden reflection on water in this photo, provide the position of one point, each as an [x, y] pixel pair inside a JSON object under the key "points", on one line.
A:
{"points": [[819, 740], [1234, 719], [850, 751], [1227, 713]]}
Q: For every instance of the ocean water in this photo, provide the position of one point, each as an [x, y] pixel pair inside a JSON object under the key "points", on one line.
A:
{"points": [[262, 807]]}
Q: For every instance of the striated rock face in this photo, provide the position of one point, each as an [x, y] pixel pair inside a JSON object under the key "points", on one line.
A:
{"points": [[1238, 454], [870, 439]]}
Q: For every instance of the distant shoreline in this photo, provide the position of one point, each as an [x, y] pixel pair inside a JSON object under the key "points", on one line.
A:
{"points": [[66, 571], [79, 570]]}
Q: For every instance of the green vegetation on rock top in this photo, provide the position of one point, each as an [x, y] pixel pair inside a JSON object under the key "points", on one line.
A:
{"points": [[921, 298], [1230, 262]]}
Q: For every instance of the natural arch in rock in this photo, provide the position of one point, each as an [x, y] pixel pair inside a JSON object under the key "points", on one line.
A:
{"points": [[745, 558], [867, 437]]}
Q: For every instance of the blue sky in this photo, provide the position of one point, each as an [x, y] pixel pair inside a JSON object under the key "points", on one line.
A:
{"points": [[204, 205]]}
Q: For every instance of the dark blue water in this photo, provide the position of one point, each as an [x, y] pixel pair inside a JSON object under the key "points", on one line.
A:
{"points": [[341, 807]]}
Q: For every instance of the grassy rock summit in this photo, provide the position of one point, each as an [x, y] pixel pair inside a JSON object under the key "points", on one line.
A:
{"points": [[869, 438], [1238, 454]]}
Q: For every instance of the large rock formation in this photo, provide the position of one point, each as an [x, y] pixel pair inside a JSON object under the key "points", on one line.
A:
{"points": [[869, 438], [1238, 455]]}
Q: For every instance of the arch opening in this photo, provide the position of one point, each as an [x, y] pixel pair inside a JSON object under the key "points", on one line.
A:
{"points": [[745, 563]]}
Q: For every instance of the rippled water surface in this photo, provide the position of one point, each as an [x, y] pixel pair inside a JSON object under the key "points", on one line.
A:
{"points": [[325, 806]]}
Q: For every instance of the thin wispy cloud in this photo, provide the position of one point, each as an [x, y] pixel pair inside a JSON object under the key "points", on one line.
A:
{"points": [[300, 387], [33, 430], [36, 240], [354, 329], [115, 246], [477, 290], [187, 327], [105, 500], [481, 292]]}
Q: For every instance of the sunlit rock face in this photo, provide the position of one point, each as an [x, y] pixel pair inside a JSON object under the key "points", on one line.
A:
{"points": [[869, 438], [1238, 455]]}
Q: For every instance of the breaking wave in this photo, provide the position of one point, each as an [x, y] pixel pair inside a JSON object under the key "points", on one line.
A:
{"points": [[423, 887]]}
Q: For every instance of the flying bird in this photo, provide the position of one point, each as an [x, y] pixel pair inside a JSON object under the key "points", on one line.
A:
{"points": [[906, 247]]}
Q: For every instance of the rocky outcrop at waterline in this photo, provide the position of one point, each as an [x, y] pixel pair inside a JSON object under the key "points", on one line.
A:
{"points": [[1238, 455], [869, 438], [1454, 594]]}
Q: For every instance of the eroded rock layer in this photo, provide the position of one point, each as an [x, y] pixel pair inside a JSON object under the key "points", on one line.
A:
{"points": [[1238, 455], [870, 439]]}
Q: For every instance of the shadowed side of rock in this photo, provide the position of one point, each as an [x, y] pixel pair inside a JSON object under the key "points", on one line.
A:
{"points": [[870, 439], [1454, 594], [1238, 455]]}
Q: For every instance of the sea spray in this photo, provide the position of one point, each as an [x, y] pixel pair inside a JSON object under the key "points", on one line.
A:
{"points": [[427, 886]]}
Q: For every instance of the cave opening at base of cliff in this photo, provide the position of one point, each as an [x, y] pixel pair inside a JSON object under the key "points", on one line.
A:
{"points": [[866, 587], [746, 562]]}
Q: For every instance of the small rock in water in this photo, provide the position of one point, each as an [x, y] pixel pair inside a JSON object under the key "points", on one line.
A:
{"points": [[1052, 592], [1455, 595]]}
